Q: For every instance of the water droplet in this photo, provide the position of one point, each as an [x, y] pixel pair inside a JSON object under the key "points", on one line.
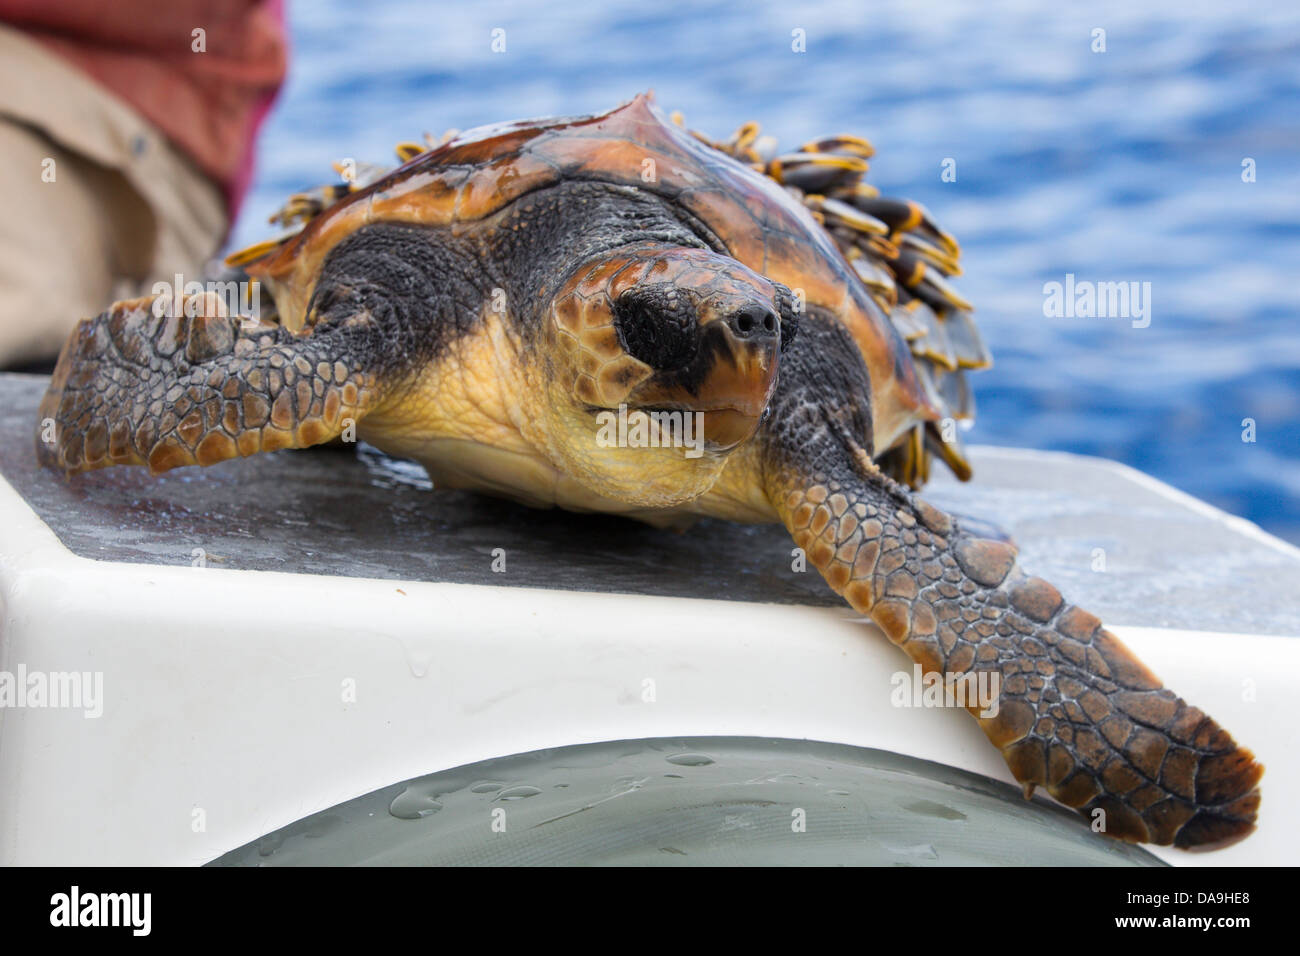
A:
{"points": [[487, 786], [518, 793], [927, 808], [269, 844], [419, 653], [918, 851], [414, 803], [690, 760]]}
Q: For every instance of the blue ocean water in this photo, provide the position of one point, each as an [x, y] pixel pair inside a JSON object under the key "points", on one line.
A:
{"points": [[1122, 165]]}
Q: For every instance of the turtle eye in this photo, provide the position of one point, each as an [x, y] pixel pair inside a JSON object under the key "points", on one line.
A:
{"points": [[657, 325], [786, 308]]}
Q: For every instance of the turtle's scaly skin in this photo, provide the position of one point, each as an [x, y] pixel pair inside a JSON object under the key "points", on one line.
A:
{"points": [[1078, 713], [482, 306]]}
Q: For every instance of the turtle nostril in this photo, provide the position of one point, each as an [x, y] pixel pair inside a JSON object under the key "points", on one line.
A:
{"points": [[752, 321]]}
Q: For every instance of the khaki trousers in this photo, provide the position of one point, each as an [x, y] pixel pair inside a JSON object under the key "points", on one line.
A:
{"points": [[95, 204]]}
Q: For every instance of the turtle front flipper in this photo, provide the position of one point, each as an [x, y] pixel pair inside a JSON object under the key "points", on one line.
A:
{"points": [[1072, 709], [196, 386]]}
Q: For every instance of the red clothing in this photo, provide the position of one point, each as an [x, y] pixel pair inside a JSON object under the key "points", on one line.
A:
{"points": [[209, 104]]}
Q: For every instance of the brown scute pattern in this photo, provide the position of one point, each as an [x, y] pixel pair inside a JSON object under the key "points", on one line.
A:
{"points": [[132, 388], [1079, 714]]}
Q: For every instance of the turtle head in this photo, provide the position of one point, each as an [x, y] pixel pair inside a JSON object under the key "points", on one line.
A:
{"points": [[661, 361]]}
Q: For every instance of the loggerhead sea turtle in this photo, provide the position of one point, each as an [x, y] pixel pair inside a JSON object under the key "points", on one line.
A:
{"points": [[485, 307]]}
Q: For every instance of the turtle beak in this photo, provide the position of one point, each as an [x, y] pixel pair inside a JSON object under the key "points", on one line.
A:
{"points": [[729, 381]]}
